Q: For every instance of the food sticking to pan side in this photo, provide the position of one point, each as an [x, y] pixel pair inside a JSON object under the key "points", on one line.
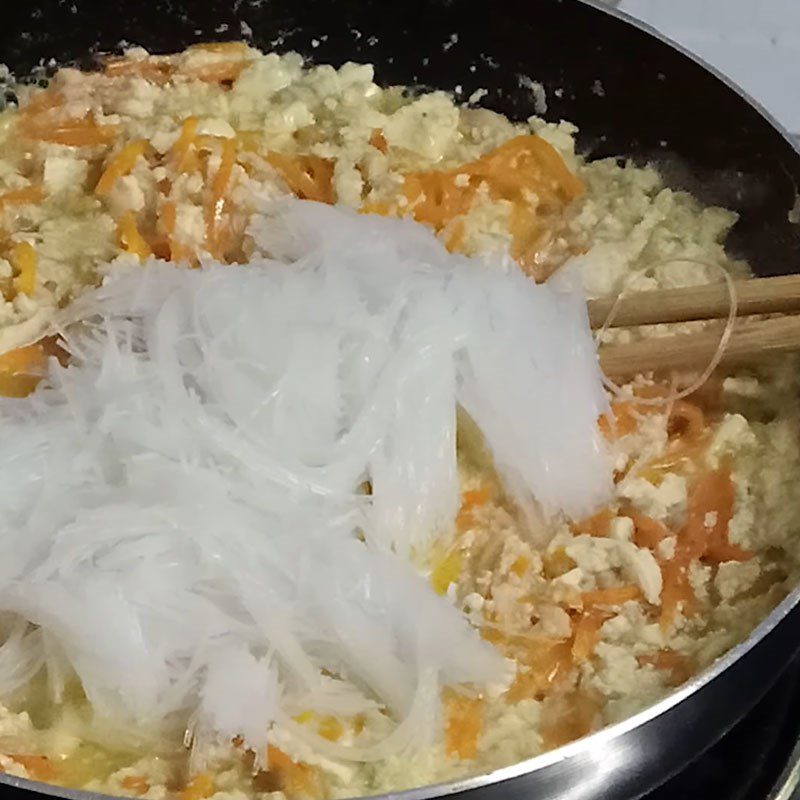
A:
{"points": [[312, 485]]}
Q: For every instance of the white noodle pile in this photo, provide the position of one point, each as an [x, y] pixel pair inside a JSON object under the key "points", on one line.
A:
{"points": [[180, 508]]}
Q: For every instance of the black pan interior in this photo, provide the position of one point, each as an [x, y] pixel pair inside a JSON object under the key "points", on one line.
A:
{"points": [[631, 94]]}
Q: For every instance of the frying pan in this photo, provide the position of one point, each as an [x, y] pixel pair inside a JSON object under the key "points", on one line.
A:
{"points": [[633, 95]]}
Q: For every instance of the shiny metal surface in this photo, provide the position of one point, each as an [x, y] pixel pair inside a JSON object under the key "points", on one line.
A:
{"points": [[626, 760], [788, 785]]}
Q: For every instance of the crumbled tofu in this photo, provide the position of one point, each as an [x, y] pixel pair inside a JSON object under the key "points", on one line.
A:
{"points": [[622, 529], [348, 183], [666, 548], [13, 724], [732, 435], [427, 126], [699, 579], [127, 195], [216, 127], [63, 174], [642, 568], [735, 577], [665, 502]]}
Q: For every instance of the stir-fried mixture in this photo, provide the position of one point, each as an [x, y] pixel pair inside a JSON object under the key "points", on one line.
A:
{"points": [[564, 616]]}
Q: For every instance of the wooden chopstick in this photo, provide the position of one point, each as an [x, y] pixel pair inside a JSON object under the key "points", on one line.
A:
{"points": [[779, 295], [750, 341]]}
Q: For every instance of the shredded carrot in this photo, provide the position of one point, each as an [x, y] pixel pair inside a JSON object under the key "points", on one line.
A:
{"points": [[587, 634], [435, 198], [463, 725], [224, 48], [292, 777], [690, 418], [613, 596], [135, 783], [308, 177], [446, 572], [20, 197], [71, 133], [620, 421], [598, 524], [219, 202], [525, 171], [40, 768], [155, 69], [545, 663], [681, 456], [200, 787], [669, 661], [556, 562], [40, 102], [218, 72], [130, 239], [648, 532], [378, 140], [709, 512], [471, 500], [568, 716], [476, 497], [23, 260], [182, 153], [454, 236], [119, 166]]}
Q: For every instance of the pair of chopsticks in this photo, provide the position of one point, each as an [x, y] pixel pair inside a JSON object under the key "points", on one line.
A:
{"points": [[749, 340]]}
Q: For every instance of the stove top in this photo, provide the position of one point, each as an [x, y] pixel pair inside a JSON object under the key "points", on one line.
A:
{"points": [[759, 759]]}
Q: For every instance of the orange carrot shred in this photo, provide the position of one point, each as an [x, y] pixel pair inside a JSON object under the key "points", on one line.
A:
{"points": [[709, 512], [200, 787], [691, 417], [40, 768], [218, 72], [45, 100], [23, 196], [568, 716], [23, 260], [119, 166], [669, 661], [546, 664], [463, 726], [226, 48], [135, 783], [619, 422], [598, 524], [154, 69], [71, 133], [308, 177], [219, 202], [378, 140], [130, 239], [587, 634], [648, 532], [525, 171], [183, 155], [293, 778]]}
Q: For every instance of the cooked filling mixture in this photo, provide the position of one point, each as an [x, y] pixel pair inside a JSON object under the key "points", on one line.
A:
{"points": [[312, 486]]}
